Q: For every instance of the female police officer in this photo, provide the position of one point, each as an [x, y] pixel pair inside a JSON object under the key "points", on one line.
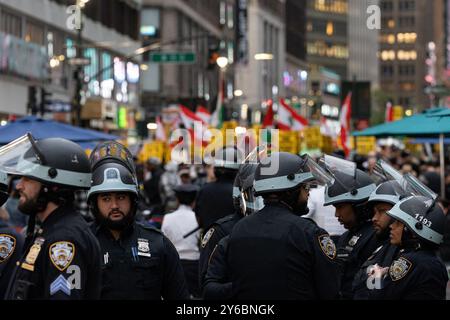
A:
{"points": [[416, 272]]}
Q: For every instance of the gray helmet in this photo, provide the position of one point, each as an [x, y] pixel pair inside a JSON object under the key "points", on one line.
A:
{"points": [[3, 188], [389, 191], [52, 161], [421, 216], [113, 170], [283, 171], [350, 185]]}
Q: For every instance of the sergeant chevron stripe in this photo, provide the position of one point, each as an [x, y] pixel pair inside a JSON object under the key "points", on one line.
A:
{"points": [[60, 284]]}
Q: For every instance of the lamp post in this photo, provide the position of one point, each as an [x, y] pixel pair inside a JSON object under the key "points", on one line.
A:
{"points": [[222, 62], [76, 104]]}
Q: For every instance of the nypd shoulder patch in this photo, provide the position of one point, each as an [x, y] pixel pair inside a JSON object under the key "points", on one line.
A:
{"points": [[61, 254], [7, 246], [207, 237], [327, 246], [399, 268]]}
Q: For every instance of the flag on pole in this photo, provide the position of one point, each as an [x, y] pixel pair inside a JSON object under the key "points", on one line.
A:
{"points": [[289, 119], [203, 114], [217, 116], [389, 117], [344, 118], [268, 118]]}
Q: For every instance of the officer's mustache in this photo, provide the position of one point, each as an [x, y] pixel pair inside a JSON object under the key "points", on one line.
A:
{"points": [[115, 212]]}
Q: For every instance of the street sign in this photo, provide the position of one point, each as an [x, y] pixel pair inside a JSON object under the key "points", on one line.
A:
{"points": [[172, 57], [79, 61]]}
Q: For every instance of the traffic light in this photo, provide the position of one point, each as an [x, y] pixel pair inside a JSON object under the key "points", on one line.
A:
{"points": [[32, 102], [45, 100], [213, 54]]}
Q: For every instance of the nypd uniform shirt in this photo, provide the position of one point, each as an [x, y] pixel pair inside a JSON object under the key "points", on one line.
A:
{"points": [[211, 238], [61, 263], [275, 254], [218, 284], [353, 249], [414, 275], [141, 265], [365, 280], [11, 246]]}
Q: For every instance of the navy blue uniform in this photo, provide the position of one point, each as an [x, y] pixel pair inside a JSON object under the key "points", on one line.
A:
{"points": [[353, 249], [383, 256], [62, 261], [11, 246], [214, 201], [215, 233], [275, 254], [218, 284], [414, 275], [141, 265]]}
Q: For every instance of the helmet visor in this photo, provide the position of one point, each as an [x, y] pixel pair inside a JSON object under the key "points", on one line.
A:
{"points": [[13, 152], [321, 176], [386, 172], [257, 154], [333, 165], [409, 183]]}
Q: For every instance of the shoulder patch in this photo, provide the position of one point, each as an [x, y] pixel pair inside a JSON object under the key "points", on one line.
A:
{"points": [[7, 246], [207, 237], [327, 245], [399, 268], [61, 254]]}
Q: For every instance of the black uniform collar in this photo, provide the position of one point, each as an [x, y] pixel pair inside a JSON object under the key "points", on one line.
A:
{"points": [[57, 215]]}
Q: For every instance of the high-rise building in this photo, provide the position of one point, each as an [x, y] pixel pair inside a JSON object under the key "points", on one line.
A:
{"points": [[327, 36], [39, 44], [262, 54], [407, 32], [295, 77], [205, 28]]}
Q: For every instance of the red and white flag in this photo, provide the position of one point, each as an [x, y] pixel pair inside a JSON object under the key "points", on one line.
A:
{"points": [[289, 119], [268, 118], [344, 118], [389, 117], [194, 124], [203, 114]]}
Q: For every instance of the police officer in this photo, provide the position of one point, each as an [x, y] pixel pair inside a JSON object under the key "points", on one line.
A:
{"points": [[176, 225], [11, 242], [385, 196], [416, 273], [214, 200], [62, 259], [244, 203], [138, 262], [275, 253], [349, 193]]}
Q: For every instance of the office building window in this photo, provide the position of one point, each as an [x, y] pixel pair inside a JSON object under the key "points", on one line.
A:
{"points": [[11, 24], [34, 32]]}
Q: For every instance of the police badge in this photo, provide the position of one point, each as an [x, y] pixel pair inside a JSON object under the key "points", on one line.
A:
{"points": [[399, 268], [207, 237], [143, 248], [61, 254], [7, 246], [327, 245]]}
